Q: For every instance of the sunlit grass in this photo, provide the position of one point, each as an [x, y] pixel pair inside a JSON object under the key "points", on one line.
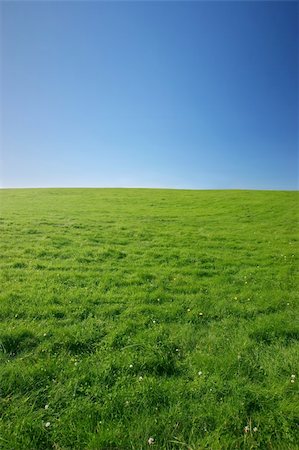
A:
{"points": [[134, 319]]}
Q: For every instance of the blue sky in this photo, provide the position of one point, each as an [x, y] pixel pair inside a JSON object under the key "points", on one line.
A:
{"points": [[199, 95]]}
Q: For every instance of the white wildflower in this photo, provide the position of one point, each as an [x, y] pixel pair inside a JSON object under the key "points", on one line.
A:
{"points": [[47, 424], [151, 441]]}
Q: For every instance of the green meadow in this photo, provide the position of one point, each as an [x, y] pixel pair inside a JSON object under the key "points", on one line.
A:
{"points": [[139, 318]]}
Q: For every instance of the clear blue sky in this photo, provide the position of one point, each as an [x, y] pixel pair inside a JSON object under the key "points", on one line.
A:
{"points": [[152, 94]]}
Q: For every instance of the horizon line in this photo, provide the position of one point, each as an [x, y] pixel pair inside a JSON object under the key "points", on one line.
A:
{"points": [[148, 188]]}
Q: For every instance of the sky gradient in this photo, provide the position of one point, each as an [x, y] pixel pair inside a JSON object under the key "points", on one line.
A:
{"points": [[200, 95]]}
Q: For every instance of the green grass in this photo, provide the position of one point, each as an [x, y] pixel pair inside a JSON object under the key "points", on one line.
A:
{"points": [[130, 314]]}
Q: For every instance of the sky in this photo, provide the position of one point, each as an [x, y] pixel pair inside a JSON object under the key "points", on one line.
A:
{"points": [[191, 95]]}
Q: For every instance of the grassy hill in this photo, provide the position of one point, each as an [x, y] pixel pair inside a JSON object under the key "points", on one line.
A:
{"points": [[135, 319]]}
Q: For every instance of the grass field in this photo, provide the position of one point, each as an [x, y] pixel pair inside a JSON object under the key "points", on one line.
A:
{"points": [[135, 319]]}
